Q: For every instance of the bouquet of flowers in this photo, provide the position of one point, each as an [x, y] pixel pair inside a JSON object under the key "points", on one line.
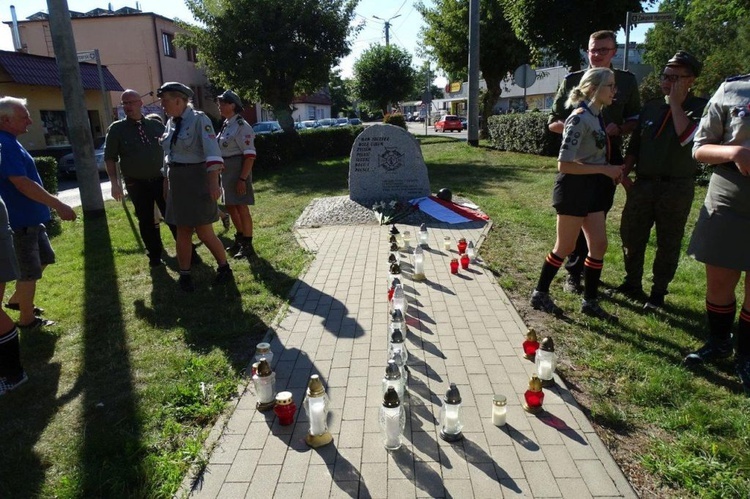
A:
{"points": [[392, 211]]}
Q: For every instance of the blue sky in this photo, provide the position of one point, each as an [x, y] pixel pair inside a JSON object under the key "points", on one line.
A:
{"points": [[403, 32]]}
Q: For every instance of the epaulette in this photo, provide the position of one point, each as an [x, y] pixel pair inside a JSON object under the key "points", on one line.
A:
{"points": [[737, 78], [240, 122]]}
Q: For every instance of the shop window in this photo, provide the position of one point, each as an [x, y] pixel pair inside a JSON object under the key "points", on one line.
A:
{"points": [[55, 128]]}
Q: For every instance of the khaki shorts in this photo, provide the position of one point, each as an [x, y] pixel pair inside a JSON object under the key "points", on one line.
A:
{"points": [[33, 251]]}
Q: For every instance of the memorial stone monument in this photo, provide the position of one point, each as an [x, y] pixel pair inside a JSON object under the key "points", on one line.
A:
{"points": [[386, 164]]}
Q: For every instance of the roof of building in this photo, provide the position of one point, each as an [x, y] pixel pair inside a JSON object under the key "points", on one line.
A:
{"points": [[320, 97], [29, 69]]}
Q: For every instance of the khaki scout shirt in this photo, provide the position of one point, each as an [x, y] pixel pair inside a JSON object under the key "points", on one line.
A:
{"points": [[658, 150], [584, 140], [727, 116], [140, 156], [236, 138], [196, 142]]}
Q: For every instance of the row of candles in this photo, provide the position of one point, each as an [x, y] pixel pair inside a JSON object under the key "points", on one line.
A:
{"points": [[466, 250], [392, 416]]}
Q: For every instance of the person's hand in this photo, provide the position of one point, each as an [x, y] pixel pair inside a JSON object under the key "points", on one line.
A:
{"points": [[215, 190], [66, 212], [626, 182], [241, 187], [116, 191], [678, 92], [742, 160], [614, 172]]}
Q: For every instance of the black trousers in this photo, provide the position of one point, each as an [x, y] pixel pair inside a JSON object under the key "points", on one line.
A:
{"points": [[143, 194]]}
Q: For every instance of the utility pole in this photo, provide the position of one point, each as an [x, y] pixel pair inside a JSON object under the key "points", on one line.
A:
{"points": [[473, 117], [79, 130], [387, 27]]}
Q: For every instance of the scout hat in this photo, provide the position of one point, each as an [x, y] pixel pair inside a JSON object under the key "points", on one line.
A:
{"points": [[688, 60], [229, 96], [174, 86]]}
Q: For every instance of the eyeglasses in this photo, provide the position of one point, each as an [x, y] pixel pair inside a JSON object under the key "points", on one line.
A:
{"points": [[601, 51], [671, 78]]}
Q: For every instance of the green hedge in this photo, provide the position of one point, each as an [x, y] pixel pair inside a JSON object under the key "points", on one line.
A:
{"points": [[396, 119], [523, 132], [47, 167], [277, 149]]}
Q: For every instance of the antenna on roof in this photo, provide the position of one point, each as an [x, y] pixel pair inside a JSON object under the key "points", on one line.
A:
{"points": [[110, 6]]}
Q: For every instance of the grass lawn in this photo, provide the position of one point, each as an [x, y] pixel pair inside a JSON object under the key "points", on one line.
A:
{"points": [[115, 405]]}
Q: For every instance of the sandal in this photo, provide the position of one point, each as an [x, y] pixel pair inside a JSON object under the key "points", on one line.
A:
{"points": [[17, 307]]}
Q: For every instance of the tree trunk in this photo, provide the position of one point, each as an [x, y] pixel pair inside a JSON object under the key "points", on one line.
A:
{"points": [[491, 96], [284, 117]]}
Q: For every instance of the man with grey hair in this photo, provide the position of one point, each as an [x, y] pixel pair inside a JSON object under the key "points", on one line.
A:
{"points": [[28, 206]]}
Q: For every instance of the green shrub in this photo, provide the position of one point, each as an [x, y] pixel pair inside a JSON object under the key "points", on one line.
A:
{"points": [[274, 150], [525, 132], [47, 167], [395, 119]]}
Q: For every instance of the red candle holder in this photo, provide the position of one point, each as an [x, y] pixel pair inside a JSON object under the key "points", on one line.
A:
{"points": [[464, 261], [531, 345], [462, 245], [285, 408], [534, 396], [454, 266]]}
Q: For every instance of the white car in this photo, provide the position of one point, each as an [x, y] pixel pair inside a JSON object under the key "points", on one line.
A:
{"points": [[66, 166]]}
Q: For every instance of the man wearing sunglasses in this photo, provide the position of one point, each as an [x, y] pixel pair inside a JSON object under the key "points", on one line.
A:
{"points": [[660, 153], [620, 119]]}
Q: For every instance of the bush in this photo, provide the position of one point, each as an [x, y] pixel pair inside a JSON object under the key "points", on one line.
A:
{"points": [[47, 167], [395, 119], [274, 150], [523, 132]]}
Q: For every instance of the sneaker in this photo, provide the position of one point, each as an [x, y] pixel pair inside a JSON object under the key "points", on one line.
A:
{"points": [[572, 284], [223, 274], [236, 246], [632, 291], [712, 350], [655, 302], [186, 283], [37, 323], [542, 301], [246, 251], [743, 371], [593, 309], [9, 384]]}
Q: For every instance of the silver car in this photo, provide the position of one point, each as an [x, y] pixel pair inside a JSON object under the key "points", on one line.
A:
{"points": [[66, 166]]}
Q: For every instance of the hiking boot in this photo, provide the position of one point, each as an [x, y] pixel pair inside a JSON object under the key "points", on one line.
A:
{"points": [[186, 283], [223, 274], [246, 250], [572, 284], [593, 309], [654, 303], [632, 291], [711, 351], [9, 384], [236, 246], [743, 371], [542, 301]]}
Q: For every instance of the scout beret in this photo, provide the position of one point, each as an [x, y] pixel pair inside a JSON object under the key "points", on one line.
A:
{"points": [[231, 97], [686, 59], [174, 86]]}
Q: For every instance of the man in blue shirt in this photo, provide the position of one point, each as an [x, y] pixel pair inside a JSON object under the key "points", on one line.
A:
{"points": [[28, 206]]}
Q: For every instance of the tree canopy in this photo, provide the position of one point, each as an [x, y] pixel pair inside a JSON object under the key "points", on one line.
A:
{"points": [[563, 26], [445, 37], [271, 50], [717, 33], [383, 75]]}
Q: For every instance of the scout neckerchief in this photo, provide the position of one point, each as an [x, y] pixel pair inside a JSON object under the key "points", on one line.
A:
{"points": [[601, 124]]}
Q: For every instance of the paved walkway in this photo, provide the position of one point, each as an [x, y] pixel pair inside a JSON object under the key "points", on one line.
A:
{"points": [[463, 329]]}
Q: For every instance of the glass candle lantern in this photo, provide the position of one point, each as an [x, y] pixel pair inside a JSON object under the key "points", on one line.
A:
{"points": [[285, 408], [316, 406], [499, 410], [464, 261], [393, 239], [392, 289], [546, 361], [418, 274], [423, 235], [391, 259], [462, 246], [471, 251], [398, 302], [397, 321], [397, 347], [264, 380], [264, 350], [454, 265], [393, 251], [531, 345], [534, 396], [407, 239], [394, 230], [392, 419], [393, 379], [447, 243], [450, 415], [394, 272]]}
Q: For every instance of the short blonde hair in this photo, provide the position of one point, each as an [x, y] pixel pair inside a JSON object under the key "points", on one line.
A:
{"points": [[590, 83]]}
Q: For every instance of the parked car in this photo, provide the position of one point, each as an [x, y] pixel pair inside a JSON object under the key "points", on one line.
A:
{"points": [[464, 123], [66, 166], [325, 123], [355, 121], [309, 123], [342, 122], [266, 127], [449, 122]]}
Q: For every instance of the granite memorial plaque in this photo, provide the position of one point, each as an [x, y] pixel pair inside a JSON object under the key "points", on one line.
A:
{"points": [[386, 163]]}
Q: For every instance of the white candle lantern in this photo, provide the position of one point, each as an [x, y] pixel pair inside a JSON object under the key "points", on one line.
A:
{"points": [[447, 242], [398, 301], [546, 362], [264, 350], [397, 347], [471, 251], [394, 272], [450, 415], [264, 381], [392, 419], [393, 379], [423, 235], [407, 239], [397, 320], [499, 410], [394, 253], [418, 274], [316, 406]]}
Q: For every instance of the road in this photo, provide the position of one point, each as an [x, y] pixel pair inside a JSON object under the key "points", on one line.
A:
{"points": [[69, 194], [419, 129]]}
